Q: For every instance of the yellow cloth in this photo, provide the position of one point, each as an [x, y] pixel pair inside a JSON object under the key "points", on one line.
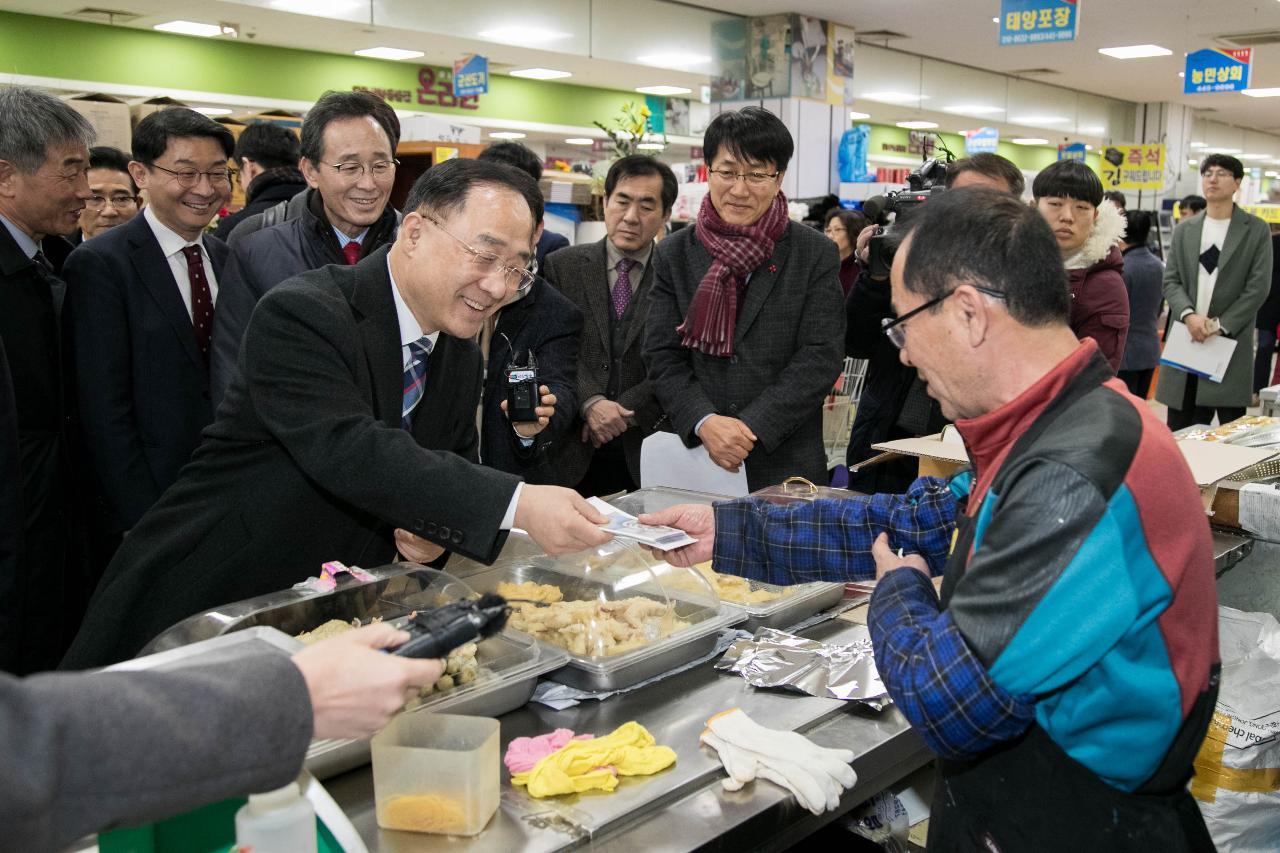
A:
{"points": [[585, 765]]}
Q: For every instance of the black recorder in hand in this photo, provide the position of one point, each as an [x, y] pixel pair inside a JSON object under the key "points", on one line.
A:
{"points": [[522, 390]]}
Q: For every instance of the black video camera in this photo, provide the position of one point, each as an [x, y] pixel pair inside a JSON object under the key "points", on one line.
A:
{"points": [[922, 184]]}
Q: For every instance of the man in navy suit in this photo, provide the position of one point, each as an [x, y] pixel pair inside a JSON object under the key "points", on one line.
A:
{"points": [[141, 299]]}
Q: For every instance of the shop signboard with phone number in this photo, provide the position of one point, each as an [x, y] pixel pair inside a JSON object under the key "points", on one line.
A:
{"points": [[1133, 167], [1038, 21], [1217, 70]]}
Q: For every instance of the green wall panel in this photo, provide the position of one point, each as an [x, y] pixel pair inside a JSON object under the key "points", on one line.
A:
{"points": [[51, 47], [1027, 157]]}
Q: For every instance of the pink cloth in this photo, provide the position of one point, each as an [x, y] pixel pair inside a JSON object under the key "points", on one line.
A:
{"points": [[525, 752]]}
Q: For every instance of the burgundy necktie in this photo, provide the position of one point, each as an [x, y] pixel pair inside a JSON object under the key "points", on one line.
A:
{"points": [[201, 300], [622, 287], [352, 252]]}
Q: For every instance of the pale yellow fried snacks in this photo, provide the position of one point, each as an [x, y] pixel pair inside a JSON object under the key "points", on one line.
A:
{"points": [[595, 628]]}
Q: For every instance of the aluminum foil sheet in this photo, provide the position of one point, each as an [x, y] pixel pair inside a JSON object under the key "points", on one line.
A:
{"points": [[775, 658]]}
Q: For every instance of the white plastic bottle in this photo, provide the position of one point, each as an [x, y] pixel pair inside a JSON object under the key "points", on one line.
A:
{"points": [[279, 821]]}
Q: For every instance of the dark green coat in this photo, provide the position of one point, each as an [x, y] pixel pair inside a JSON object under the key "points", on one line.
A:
{"points": [[1244, 280]]}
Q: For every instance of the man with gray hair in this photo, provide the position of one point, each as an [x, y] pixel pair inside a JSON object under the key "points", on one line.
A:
{"points": [[44, 184]]}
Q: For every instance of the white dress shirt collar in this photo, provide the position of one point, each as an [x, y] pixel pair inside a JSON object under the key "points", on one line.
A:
{"points": [[171, 242], [410, 328]]}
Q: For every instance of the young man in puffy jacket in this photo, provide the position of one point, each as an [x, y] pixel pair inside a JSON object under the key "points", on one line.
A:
{"points": [[1068, 195]]}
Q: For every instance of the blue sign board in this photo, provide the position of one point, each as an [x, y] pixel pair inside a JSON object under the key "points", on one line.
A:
{"points": [[470, 76], [1038, 21], [1217, 70], [984, 140], [1074, 151]]}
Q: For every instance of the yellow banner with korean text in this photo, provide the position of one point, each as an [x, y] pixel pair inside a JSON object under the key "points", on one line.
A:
{"points": [[1133, 167]]}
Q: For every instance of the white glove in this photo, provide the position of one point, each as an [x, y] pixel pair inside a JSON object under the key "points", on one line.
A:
{"points": [[815, 774]]}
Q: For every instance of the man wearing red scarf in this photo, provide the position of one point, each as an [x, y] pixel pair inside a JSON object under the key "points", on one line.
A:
{"points": [[745, 334]]}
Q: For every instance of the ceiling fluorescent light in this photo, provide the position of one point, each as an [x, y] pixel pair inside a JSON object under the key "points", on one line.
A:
{"points": [[663, 90], [524, 36], [894, 97], [1199, 145], [540, 73], [917, 125], [1193, 162], [973, 109], [673, 60], [1255, 156], [321, 8], [190, 28], [580, 140], [1135, 51], [1262, 93], [856, 116], [506, 134], [213, 111], [650, 146], [389, 53], [1094, 130], [1272, 174], [1028, 140], [1229, 150], [1038, 120]]}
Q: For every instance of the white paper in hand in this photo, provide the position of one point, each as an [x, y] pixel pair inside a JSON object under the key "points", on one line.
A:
{"points": [[1208, 359], [625, 525], [665, 461]]}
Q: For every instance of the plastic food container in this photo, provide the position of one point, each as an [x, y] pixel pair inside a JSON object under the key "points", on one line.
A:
{"points": [[621, 617], [437, 773], [799, 601]]}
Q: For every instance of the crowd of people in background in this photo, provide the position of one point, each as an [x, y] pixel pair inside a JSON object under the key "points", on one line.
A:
{"points": [[127, 337], [196, 410]]}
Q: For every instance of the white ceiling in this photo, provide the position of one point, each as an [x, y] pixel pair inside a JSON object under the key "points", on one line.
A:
{"points": [[959, 31]]}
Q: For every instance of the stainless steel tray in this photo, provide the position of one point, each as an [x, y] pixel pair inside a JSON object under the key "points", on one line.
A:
{"points": [[394, 592], [1229, 548], [601, 674], [804, 601], [502, 691]]}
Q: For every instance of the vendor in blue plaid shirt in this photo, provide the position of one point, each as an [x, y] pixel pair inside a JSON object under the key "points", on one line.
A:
{"points": [[1067, 673]]}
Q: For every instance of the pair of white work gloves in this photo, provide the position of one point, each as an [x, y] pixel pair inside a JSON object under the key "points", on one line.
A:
{"points": [[815, 774]]}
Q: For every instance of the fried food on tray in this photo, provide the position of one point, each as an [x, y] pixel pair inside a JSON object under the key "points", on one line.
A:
{"points": [[530, 591], [460, 666], [598, 627], [737, 590]]}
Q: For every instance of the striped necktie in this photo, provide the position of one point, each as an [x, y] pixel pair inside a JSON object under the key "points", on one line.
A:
{"points": [[415, 376]]}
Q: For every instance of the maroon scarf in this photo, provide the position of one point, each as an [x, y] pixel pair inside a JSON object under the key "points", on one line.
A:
{"points": [[735, 250]]}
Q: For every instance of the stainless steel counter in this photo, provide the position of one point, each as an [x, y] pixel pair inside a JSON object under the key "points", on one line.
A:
{"points": [[684, 807]]}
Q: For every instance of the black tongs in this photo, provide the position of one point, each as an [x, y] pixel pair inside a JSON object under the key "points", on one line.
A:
{"points": [[436, 632]]}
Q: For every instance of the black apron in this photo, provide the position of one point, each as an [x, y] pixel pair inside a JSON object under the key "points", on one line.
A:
{"points": [[1029, 795]]}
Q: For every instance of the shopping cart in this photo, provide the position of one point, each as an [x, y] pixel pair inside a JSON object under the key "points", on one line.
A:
{"points": [[839, 408]]}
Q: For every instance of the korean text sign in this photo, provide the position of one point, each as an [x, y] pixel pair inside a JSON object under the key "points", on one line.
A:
{"points": [[1217, 70], [470, 76], [1133, 167], [1038, 21]]}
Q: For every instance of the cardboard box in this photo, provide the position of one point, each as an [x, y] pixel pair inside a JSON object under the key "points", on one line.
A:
{"points": [[1209, 461], [153, 105], [109, 117], [566, 188]]}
